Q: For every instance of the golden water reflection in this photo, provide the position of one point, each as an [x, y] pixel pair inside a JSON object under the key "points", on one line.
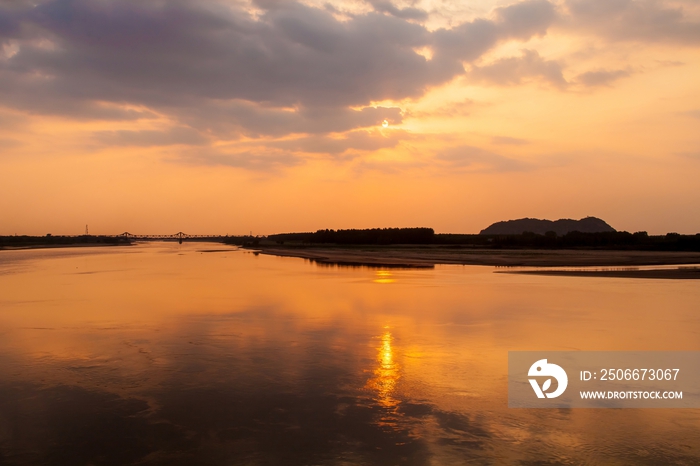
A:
{"points": [[384, 381], [387, 373], [384, 277]]}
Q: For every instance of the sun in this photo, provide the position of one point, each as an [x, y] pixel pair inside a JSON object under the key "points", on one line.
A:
{"points": [[385, 124]]}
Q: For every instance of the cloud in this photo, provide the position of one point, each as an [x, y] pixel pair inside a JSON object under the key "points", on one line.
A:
{"points": [[356, 140], [227, 72], [601, 77], [269, 155], [9, 26], [257, 160], [635, 20], [145, 138], [291, 56], [695, 156], [462, 107], [43, 95], [12, 120], [388, 167], [9, 143], [183, 53], [514, 70], [669, 63], [385, 6], [273, 155], [253, 120], [470, 40], [465, 42], [691, 113], [526, 19], [509, 141], [477, 159]]}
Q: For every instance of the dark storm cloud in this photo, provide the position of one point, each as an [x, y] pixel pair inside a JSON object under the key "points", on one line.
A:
{"points": [[514, 70], [636, 20]]}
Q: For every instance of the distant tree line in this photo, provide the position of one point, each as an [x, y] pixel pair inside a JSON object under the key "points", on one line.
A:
{"points": [[245, 240], [620, 240], [369, 236], [51, 240]]}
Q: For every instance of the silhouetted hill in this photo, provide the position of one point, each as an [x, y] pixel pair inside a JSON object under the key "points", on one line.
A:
{"points": [[541, 227]]}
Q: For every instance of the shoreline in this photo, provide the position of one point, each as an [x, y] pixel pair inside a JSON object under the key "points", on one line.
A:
{"points": [[61, 246], [426, 256], [681, 273]]}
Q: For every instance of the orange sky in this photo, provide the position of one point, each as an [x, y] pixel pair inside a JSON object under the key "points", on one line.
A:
{"points": [[227, 117]]}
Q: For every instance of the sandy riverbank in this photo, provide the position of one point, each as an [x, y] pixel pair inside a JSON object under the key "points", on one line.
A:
{"points": [[428, 256], [680, 273]]}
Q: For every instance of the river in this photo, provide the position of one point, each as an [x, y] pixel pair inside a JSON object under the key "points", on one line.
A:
{"points": [[162, 353]]}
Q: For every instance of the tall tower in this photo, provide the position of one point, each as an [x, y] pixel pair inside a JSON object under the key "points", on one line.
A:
{"points": [[86, 230]]}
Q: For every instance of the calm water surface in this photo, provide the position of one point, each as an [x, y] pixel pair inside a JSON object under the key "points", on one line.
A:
{"points": [[197, 354]]}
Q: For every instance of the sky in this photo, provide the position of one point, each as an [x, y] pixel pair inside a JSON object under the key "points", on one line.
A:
{"points": [[269, 116]]}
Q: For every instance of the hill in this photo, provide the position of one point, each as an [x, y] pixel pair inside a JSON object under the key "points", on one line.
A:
{"points": [[541, 227]]}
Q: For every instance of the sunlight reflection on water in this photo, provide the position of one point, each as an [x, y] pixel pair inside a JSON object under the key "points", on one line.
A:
{"points": [[386, 376], [384, 276]]}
